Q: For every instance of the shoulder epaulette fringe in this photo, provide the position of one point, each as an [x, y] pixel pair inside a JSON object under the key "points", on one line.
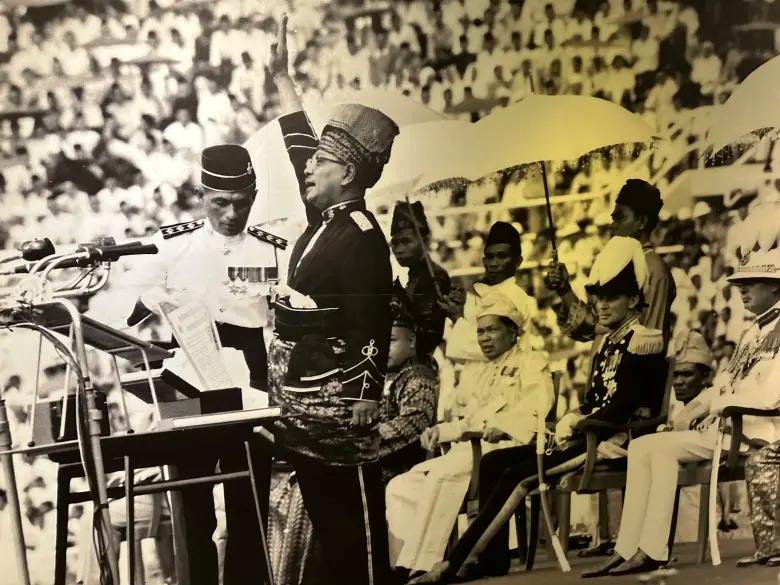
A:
{"points": [[267, 237], [361, 220], [645, 341], [176, 229]]}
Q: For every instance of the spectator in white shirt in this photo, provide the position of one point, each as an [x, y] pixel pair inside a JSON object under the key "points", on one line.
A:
{"points": [[579, 27], [705, 70], [74, 59], [552, 23], [185, 134], [644, 50]]}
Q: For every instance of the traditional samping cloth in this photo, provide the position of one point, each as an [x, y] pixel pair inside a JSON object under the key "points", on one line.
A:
{"points": [[423, 504], [408, 408], [322, 359], [232, 276], [762, 475]]}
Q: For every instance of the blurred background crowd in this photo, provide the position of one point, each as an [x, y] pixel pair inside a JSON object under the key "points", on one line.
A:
{"points": [[107, 105]]}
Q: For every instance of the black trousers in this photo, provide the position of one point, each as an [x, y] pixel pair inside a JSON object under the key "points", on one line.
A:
{"points": [[500, 472], [346, 505], [244, 558]]}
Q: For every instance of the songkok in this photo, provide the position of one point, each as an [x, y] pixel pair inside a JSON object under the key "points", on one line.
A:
{"points": [[502, 232], [620, 269], [405, 215], [757, 241], [641, 197], [401, 310], [362, 136], [495, 303], [227, 167], [692, 348]]}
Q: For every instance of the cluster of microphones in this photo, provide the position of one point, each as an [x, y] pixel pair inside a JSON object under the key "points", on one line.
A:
{"points": [[39, 252]]}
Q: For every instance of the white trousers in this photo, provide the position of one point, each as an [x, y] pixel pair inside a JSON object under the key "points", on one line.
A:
{"points": [[653, 466], [422, 508]]}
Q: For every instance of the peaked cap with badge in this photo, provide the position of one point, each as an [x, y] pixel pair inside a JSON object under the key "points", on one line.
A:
{"points": [[227, 167]]}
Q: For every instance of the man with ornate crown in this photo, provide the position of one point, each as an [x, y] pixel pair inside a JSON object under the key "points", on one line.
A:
{"points": [[627, 373], [753, 381], [330, 348]]}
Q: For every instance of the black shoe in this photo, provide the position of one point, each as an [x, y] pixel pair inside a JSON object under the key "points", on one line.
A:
{"points": [[604, 568], [603, 549], [639, 563], [773, 561], [752, 561]]}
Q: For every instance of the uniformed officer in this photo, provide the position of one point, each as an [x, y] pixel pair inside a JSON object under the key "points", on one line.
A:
{"points": [[428, 282], [330, 349], [231, 268]]}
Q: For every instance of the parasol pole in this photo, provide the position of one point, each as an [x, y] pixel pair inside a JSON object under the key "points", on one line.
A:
{"points": [[713, 503], [544, 496], [426, 257], [548, 205]]}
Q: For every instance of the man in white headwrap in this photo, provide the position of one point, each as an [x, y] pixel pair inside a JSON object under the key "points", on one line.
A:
{"points": [[500, 399]]}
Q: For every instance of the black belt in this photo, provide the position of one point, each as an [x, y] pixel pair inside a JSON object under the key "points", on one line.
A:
{"points": [[292, 324]]}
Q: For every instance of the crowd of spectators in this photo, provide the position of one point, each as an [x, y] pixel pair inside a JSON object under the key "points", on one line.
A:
{"points": [[108, 104]]}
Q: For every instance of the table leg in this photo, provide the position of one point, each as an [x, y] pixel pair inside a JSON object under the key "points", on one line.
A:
{"points": [[130, 528], [260, 520], [9, 473], [179, 526]]}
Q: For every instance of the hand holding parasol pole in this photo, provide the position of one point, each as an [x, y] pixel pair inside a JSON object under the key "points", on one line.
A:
{"points": [[548, 204], [426, 257]]}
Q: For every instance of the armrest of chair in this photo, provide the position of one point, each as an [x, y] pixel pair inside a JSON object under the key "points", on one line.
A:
{"points": [[475, 439], [736, 413]]}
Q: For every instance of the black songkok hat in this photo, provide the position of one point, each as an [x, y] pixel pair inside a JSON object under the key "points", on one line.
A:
{"points": [[227, 167], [406, 214], [642, 197], [502, 232]]}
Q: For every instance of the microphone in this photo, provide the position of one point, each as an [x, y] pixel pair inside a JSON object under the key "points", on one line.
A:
{"points": [[91, 254]]}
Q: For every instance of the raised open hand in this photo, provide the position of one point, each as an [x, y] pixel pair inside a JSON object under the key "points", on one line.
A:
{"points": [[278, 63]]}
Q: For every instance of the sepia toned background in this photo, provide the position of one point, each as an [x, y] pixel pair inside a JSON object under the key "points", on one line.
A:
{"points": [[106, 105]]}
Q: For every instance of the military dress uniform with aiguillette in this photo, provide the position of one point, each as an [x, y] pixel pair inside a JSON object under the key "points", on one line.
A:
{"points": [[232, 276], [323, 359]]}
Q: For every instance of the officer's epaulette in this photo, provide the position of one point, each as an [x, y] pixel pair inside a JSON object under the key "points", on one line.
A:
{"points": [[645, 341], [361, 220], [176, 229], [268, 237]]}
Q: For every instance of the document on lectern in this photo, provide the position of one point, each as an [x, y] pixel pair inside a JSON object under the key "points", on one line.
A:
{"points": [[197, 336]]}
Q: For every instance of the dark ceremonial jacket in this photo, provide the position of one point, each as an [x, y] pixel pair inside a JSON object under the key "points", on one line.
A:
{"points": [[347, 269], [628, 373], [429, 316]]}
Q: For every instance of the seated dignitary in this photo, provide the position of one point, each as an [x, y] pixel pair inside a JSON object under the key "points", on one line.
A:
{"points": [[500, 399], [428, 282], [230, 268], [753, 381], [409, 396], [627, 373], [501, 258], [635, 216], [692, 372]]}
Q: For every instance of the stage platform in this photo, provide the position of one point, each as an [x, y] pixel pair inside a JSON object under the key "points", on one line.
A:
{"points": [[546, 571]]}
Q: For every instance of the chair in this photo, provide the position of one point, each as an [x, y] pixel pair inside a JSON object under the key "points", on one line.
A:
{"points": [[597, 476], [159, 527], [470, 505], [732, 468]]}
